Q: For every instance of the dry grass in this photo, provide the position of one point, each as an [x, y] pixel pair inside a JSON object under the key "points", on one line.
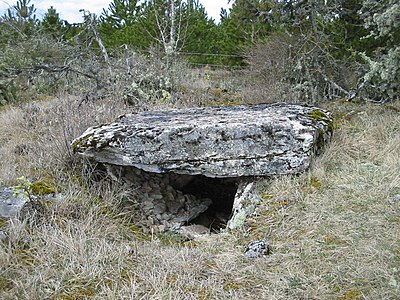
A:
{"points": [[35, 137], [333, 233]]}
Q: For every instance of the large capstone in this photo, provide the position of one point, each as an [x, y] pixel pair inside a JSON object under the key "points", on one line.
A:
{"points": [[214, 142], [184, 160]]}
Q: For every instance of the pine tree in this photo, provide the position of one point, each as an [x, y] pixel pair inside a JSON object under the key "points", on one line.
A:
{"points": [[243, 27], [52, 24], [202, 37], [22, 19], [118, 23], [248, 16]]}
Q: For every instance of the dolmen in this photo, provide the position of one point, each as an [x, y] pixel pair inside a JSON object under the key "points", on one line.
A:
{"points": [[192, 166]]}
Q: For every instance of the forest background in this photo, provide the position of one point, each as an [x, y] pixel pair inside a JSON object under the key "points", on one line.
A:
{"points": [[306, 51]]}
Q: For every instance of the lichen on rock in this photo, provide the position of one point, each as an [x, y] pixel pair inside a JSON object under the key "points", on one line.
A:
{"points": [[259, 140]]}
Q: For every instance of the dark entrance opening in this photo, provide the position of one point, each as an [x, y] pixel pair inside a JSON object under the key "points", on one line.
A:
{"points": [[222, 193]]}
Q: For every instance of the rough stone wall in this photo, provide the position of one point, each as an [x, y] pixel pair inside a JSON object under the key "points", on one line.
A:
{"points": [[160, 197]]}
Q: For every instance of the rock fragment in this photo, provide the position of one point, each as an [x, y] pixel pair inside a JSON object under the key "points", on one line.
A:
{"points": [[257, 249]]}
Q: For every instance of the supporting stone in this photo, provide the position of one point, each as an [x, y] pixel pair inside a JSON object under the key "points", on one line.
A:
{"points": [[244, 204]]}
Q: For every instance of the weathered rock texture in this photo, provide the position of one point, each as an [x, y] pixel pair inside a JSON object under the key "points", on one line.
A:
{"points": [[15, 202], [194, 166], [214, 142], [10, 204]]}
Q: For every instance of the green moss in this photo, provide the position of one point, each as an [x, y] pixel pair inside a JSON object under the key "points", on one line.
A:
{"points": [[24, 255], [78, 293], [222, 98], [315, 183], [172, 239], [5, 283], [216, 92], [392, 108], [28, 189], [333, 240], [234, 285], [319, 115], [2, 223], [41, 188], [350, 295], [266, 196], [81, 141], [139, 233], [320, 142], [281, 203]]}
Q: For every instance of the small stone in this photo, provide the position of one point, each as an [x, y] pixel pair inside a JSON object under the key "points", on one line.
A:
{"points": [[189, 201], [152, 184], [150, 199], [170, 197], [257, 249], [205, 220], [3, 236], [169, 188], [194, 232], [181, 198], [145, 188], [159, 208], [395, 199], [157, 196], [194, 207], [165, 180], [147, 204], [165, 216], [181, 218], [173, 206], [11, 204], [161, 228], [130, 177]]}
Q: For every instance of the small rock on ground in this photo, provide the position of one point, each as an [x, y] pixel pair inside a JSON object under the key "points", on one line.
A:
{"points": [[257, 249]]}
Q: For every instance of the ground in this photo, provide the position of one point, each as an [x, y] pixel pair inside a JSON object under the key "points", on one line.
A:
{"points": [[333, 232]]}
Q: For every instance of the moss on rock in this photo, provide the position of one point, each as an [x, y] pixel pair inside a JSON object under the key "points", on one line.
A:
{"points": [[80, 141], [319, 115]]}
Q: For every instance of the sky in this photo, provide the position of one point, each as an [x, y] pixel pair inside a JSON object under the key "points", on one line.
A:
{"points": [[69, 9]]}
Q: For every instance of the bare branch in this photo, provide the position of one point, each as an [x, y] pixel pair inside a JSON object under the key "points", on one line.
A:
{"points": [[93, 27]]}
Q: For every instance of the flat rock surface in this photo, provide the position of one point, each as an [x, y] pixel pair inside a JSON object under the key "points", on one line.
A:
{"points": [[215, 142]]}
